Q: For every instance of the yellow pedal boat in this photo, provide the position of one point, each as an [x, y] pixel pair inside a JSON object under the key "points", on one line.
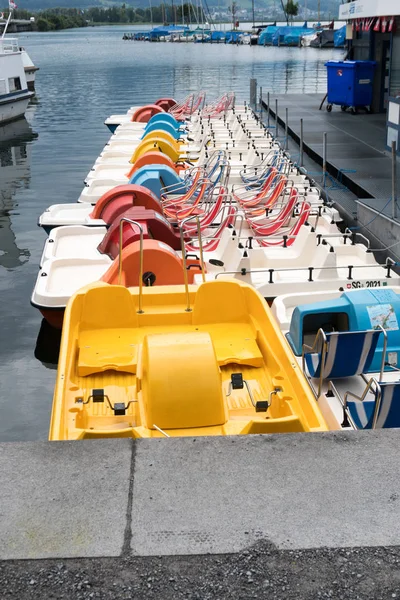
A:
{"points": [[208, 360]]}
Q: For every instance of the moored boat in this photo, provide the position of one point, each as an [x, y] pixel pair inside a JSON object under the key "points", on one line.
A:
{"points": [[210, 216], [176, 361], [14, 93], [30, 69], [348, 344]]}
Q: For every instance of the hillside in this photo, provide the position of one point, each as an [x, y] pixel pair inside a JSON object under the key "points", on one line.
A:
{"points": [[270, 8]]}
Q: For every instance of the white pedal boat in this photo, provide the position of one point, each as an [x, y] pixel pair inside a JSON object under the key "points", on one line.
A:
{"points": [[82, 240], [112, 204], [60, 278], [311, 263], [351, 345], [119, 167], [96, 188], [79, 213]]}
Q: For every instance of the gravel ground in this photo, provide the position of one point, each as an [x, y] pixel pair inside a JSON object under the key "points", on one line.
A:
{"points": [[260, 572]]}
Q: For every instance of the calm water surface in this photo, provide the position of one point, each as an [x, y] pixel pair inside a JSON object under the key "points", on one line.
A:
{"points": [[86, 75]]}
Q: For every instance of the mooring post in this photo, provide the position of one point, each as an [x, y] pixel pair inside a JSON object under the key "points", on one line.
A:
{"points": [[268, 109], [253, 92], [276, 116], [301, 142], [261, 105], [287, 129], [394, 180], [324, 149]]}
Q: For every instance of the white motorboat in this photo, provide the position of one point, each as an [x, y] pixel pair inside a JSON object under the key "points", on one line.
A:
{"points": [[14, 93], [305, 40]]}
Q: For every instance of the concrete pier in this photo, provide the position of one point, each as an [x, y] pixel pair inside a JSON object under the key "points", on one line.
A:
{"points": [[291, 517], [357, 158], [356, 143], [194, 496]]}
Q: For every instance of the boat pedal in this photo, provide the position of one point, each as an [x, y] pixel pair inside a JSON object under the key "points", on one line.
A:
{"points": [[119, 409], [98, 395], [237, 381]]}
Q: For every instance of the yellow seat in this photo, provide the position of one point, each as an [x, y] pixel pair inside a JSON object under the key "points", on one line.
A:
{"points": [[172, 150], [221, 302], [106, 306], [226, 315], [107, 338], [160, 135], [180, 382], [236, 344], [114, 350]]}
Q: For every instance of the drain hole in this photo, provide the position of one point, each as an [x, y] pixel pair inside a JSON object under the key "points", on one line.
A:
{"points": [[216, 262]]}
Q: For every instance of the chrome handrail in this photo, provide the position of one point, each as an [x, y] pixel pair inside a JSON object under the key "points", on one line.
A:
{"points": [[378, 397], [356, 233], [320, 333], [182, 233], [121, 229]]}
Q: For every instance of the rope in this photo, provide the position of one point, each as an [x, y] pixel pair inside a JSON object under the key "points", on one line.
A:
{"points": [[372, 220]]}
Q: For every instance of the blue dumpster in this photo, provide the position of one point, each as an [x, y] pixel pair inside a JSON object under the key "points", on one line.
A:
{"points": [[350, 83]]}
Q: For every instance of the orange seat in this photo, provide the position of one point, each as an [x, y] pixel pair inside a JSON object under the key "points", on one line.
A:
{"points": [[161, 266], [152, 158], [116, 201], [144, 113], [165, 103]]}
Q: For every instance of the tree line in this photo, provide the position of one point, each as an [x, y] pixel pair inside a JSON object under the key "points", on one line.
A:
{"points": [[54, 19]]}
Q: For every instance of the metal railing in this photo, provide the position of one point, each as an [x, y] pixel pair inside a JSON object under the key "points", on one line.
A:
{"points": [[9, 45], [185, 274], [310, 270], [321, 340], [141, 251]]}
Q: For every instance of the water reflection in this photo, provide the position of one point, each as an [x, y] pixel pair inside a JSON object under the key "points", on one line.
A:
{"points": [[15, 152]]}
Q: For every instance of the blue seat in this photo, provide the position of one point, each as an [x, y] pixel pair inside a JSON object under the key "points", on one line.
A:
{"points": [[161, 126], [343, 354], [165, 117], [382, 412], [157, 177]]}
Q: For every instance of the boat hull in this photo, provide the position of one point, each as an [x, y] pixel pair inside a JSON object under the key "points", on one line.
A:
{"points": [[53, 316], [14, 107], [30, 77]]}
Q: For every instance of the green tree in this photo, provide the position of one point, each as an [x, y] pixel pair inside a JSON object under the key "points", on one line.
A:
{"points": [[233, 10], [186, 13], [292, 9], [43, 24]]}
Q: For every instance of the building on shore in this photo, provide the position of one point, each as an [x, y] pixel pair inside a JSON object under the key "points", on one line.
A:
{"points": [[373, 33]]}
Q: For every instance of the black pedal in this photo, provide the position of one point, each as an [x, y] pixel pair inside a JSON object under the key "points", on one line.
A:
{"points": [[119, 409], [262, 406], [237, 381], [98, 395]]}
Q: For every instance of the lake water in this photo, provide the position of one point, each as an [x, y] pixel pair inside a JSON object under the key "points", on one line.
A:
{"points": [[86, 75]]}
